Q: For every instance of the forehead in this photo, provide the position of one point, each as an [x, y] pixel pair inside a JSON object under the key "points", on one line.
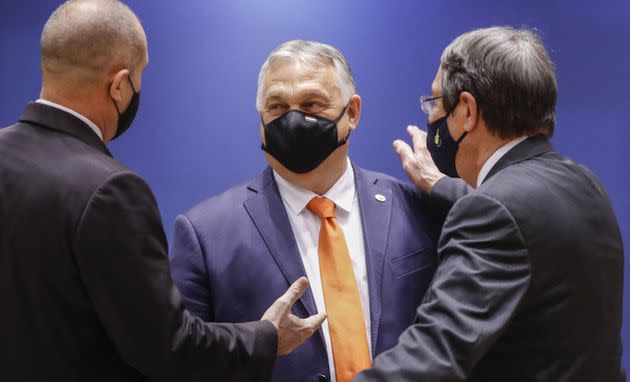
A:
{"points": [[295, 76]]}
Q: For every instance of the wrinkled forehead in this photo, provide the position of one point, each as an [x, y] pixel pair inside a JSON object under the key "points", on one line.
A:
{"points": [[292, 76]]}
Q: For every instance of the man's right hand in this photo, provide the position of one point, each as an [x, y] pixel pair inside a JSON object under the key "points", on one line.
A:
{"points": [[292, 330], [417, 162]]}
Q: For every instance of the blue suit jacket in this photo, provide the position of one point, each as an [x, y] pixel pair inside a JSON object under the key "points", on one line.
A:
{"points": [[234, 254]]}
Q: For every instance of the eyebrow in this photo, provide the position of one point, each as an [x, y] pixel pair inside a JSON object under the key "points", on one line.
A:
{"points": [[273, 96], [312, 93], [305, 94]]}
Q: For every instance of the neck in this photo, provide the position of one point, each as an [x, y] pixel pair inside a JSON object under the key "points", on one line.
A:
{"points": [[83, 104], [492, 144], [319, 180]]}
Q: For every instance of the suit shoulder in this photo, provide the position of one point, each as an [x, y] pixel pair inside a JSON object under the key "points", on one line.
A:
{"points": [[48, 159], [387, 180], [96, 169], [553, 189], [395, 184], [539, 178], [220, 206]]}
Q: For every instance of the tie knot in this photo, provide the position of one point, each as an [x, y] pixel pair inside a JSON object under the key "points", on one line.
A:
{"points": [[322, 207]]}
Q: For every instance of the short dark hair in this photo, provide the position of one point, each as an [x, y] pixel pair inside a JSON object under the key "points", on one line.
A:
{"points": [[509, 73]]}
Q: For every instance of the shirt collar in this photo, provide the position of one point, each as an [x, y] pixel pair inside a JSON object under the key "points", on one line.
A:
{"points": [[494, 158], [85, 120], [342, 193]]}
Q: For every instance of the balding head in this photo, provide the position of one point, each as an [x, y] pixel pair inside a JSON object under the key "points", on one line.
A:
{"points": [[86, 40], [93, 55]]}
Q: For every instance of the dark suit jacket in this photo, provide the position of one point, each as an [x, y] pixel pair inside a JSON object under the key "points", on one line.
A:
{"points": [[239, 246], [530, 283], [84, 275]]}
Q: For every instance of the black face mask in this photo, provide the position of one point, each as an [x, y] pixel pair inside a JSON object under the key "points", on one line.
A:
{"points": [[300, 141], [442, 147], [125, 119]]}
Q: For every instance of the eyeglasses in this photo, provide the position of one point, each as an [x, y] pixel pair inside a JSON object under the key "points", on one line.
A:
{"points": [[429, 103]]}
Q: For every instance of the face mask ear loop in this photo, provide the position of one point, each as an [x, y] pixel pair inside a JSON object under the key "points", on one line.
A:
{"points": [[116, 106], [341, 114], [343, 141], [132, 88], [131, 83], [461, 138]]}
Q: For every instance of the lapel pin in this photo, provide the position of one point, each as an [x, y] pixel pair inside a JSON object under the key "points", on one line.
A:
{"points": [[380, 198]]}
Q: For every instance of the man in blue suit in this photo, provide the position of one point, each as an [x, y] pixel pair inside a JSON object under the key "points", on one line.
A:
{"points": [[369, 251]]}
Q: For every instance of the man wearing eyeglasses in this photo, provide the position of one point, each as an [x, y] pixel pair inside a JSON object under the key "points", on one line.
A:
{"points": [[365, 240], [530, 281]]}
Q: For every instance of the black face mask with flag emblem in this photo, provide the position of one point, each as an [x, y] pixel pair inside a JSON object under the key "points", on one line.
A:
{"points": [[300, 141]]}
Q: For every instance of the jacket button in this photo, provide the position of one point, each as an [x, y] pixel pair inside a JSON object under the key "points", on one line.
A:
{"points": [[322, 378]]}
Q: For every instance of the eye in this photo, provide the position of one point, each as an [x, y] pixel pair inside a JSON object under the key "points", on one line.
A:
{"points": [[313, 106], [276, 108]]}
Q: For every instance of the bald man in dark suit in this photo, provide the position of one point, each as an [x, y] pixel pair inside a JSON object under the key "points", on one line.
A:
{"points": [[84, 273]]}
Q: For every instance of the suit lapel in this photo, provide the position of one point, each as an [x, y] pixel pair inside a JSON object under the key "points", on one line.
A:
{"points": [[375, 217], [267, 212]]}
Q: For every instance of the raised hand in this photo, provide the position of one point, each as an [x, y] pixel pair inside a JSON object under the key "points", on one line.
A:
{"points": [[292, 330], [417, 162]]}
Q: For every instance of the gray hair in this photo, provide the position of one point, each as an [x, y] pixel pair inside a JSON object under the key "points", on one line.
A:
{"points": [[309, 53], [88, 36], [509, 73]]}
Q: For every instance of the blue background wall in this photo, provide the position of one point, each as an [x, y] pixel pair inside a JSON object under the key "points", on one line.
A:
{"points": [[197, 130]]}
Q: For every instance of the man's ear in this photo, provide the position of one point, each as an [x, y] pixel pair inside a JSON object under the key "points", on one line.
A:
{"points": [[354, 111], [472, 111], [115, 89]]}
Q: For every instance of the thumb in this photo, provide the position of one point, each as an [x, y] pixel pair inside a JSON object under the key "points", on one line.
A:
{"points": [[315, 321]]}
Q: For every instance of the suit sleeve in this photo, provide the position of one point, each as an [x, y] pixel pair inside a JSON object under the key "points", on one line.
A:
{"points": [[447, 191], [120, 249], [482, 279], [189, 271]]}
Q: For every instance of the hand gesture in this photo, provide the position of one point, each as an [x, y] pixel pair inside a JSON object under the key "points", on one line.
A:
{"points": [[417, 163], [292, 330]]}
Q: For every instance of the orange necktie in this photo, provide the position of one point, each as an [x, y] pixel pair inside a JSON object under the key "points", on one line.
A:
{"points": [[341, 295]]}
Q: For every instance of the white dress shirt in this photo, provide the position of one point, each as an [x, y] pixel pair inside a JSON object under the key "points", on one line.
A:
{"points": [[306, 226], [91, 124], [494, 158]]}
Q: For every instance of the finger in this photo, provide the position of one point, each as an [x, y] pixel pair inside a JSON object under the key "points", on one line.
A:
{"points": [[405, 153], [296, 290], [415, 127], [413, 130], [418, 137], [403, 150]]}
